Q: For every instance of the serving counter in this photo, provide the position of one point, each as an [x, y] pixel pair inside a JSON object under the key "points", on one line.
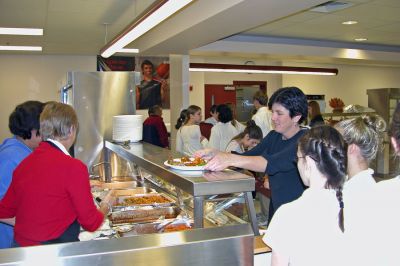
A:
{"points": [[199, 184]]}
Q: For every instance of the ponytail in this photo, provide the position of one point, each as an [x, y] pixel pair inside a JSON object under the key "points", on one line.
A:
{"points": [[182, 119], [339, 197]]}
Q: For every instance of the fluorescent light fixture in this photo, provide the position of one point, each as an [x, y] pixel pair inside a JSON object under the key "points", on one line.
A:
{"points": [[360, 39], [200, 67], [349, 22], [128, 50], [151, 18], [21, 31], [20, 48]]}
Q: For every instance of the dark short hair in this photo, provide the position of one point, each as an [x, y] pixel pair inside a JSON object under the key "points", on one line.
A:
{"points": [[293, 99], [213, 108], [224, 113], [25, 118], [261, 97], [154, 109], [146, 62]]}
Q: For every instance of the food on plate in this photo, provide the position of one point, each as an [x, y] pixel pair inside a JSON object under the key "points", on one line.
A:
{"points": [[145, 200], [187, 161], [176, 227]]}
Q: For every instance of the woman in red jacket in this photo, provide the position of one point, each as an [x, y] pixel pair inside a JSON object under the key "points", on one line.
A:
{"points": [[49, 195]]}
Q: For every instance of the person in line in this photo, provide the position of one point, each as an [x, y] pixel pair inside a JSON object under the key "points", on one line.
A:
{"points": [[249, 138], [213, 119], [188, 136], [24, 125], [314, 113], [226, 128], [150, 92], [263, 115], [275, 154], [364, 136], [50, 195], [155, 123], [309, 231]]}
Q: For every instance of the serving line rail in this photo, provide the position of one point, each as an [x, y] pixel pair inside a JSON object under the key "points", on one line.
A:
{"points": [[199, 184]]}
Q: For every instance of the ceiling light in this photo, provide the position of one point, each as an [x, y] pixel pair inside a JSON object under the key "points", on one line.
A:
{"points": [[21, 31], [360, 39], [128, 50], [20, 48], [153, 16], [203, 67], [349, 22]]}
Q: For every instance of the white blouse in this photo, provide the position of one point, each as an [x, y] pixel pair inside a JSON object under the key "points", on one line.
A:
{"points": [[263, 119], [306, 231], [188, 140], [234, 146], [221, 135]]}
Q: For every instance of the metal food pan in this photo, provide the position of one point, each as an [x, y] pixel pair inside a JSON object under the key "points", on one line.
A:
{"points": [[133, 191], [143, 214], [120, 199], [148, 228]]}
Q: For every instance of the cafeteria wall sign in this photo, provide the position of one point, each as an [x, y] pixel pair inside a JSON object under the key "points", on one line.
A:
{"points": [[115, 63]]}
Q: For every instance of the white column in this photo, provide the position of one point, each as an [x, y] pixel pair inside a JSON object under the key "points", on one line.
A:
{"points": [[179, 89]]}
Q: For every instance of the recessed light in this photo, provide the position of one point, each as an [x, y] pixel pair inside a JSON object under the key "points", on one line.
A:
{"points": [[20, 48], [21, 31], [360, 39], [349, 22]]}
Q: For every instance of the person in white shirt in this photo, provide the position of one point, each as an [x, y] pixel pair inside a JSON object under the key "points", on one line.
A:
{"points": [[249, 138], [263, 115], [224, 130], [188, 137], [309, 231], [364, 136], [213, 119]]}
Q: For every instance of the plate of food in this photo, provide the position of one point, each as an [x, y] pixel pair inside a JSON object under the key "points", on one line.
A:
{"points": [[186, 163]]}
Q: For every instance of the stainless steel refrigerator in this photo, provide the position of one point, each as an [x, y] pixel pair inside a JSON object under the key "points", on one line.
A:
{"points": [[244, 102], [96, 98]]}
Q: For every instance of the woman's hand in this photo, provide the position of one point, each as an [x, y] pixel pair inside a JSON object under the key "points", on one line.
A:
{"points": [[206, 154], [219, 162], [107, 203]]}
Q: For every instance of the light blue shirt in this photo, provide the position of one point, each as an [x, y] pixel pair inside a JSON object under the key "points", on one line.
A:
{"points": [[12, 152]]}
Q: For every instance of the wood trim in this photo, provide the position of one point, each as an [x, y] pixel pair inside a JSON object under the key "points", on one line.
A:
{"points": [[261, 84]]}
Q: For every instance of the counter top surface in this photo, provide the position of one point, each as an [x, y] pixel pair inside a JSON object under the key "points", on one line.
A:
{"points": [[197, 183], [260, 246]]}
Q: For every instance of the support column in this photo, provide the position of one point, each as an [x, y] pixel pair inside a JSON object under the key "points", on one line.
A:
{"points": [[179, 89]]}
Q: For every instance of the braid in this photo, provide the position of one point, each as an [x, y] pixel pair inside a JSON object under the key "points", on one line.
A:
{"points": [[328, 149], [339, 196]]}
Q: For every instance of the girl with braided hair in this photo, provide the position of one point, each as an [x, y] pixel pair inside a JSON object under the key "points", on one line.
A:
{"points": [[364, 137], [309, 230]]}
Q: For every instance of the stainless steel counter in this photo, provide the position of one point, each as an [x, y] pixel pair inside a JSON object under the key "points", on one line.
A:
{"points": [[229, 245], [196, 183]]}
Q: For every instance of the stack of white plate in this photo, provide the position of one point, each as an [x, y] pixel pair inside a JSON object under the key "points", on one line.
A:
{"points": [[127, 128]]}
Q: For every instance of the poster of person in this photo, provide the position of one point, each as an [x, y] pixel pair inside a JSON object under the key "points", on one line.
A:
{"points": [[154, 86]]}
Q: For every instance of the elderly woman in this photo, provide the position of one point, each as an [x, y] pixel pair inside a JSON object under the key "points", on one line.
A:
{"points": [[49, 195], [275, 154]]}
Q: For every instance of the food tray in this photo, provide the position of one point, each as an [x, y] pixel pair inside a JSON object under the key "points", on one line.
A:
{"points": [[143, 214], [152, 228], [119, 205], [133, 191]]}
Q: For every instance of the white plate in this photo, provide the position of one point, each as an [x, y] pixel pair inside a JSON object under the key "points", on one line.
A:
{"points": [[184, 168]]}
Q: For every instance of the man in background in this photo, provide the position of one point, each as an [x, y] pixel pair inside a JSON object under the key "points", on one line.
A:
{"points": [[154, 129], [24, 125]]}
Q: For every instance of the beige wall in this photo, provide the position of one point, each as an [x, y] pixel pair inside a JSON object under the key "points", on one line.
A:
{"points": [[34, 77], [350, 84]]}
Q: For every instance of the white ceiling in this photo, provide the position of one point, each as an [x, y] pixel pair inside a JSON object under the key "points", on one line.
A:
{"points": [[77, 26]]}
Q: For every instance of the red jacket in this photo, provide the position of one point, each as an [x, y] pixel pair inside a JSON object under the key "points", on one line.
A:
{"points": [[158, 122], [48, 192]]}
